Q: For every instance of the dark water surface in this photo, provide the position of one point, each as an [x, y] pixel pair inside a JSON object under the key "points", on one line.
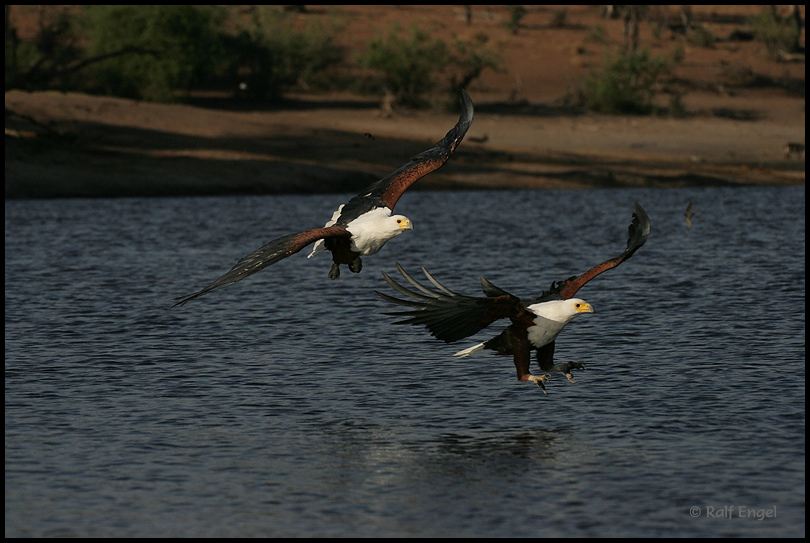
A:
{"points": [[289, 405]]}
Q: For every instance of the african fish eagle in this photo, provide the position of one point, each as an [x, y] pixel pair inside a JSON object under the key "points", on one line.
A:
{"points": [[535, 324], [361, 226]]}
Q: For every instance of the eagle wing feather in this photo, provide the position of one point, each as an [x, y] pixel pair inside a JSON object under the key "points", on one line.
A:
{"points": [[450, 316], [269, 254], [638, 232], [389, 189]]}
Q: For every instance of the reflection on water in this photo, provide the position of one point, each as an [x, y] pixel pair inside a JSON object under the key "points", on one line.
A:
{"points": [[290, 405], [537, 445]]}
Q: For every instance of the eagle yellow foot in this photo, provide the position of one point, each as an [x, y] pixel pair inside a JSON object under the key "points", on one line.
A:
{"points": [[334, 273], [356, 265], [566, 369], [539, 380]]}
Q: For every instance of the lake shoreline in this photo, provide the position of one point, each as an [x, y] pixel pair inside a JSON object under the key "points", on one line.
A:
{"points": [[63, 145]]}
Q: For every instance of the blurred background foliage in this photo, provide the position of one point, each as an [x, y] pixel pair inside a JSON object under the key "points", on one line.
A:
{"points": [[164, 53], [151, 51], [158, 53]]}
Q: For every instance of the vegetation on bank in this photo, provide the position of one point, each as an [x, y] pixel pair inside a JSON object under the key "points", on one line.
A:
{"points": [[155, 52], [160, 52]]}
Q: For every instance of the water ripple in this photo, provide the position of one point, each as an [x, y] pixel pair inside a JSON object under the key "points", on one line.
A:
{"points": [[289, 405]]}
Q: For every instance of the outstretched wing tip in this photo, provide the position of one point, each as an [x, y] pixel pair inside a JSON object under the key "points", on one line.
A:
{"points": [[639, 229], [447, 315], [182, 300], [267, 255], [390, 188], [637, 234], [643, 218], [469, 110]]}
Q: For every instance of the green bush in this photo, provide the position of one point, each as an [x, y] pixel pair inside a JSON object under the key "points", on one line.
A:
{"points": [[776, 33], [516, 14], [272, 57], [408, 64], [45, 60], [414, 64], [698, 36], [626, 83], [153, 50], [22, 60], [468, 59]]}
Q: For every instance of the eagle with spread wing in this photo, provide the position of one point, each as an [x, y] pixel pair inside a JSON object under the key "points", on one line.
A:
{"points": [[361, 226], [534, 325]]}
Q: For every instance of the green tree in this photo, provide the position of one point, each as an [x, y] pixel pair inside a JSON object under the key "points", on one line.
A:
{"points": [[468, 61], [174, 47], [408, 63], [626, 83], [778, 34], [48, 59], [271, 57], [413, 64]]}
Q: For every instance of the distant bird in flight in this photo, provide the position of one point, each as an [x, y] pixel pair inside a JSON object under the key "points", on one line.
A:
{"points": [[689, 214], [535, 324], [361, 226]]}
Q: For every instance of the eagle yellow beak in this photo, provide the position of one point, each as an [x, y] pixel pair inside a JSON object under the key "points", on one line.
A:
{"points": [[584, 308], [405, 224]]}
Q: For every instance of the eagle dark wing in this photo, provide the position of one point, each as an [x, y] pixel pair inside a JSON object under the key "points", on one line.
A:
{"points": [[276, 250], [638, 232], [450, 316], [391, 187]]}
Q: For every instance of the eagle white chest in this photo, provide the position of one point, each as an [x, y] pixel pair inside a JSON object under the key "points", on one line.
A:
{"points": [[371, 230], [544, 331], [551, 317]]}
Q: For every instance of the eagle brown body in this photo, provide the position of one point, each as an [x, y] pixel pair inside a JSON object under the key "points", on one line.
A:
{"points": [[534, 325], [362, 225]]}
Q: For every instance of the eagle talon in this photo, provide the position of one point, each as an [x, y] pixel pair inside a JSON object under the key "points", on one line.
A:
{"points": [[539, 380], [334, 273], [356, 265], [566, 370], [534, 325], [363, 225]]}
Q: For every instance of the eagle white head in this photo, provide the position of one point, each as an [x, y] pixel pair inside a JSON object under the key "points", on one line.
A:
{"points": [[561, 311], [373, 229], [552, 316]]}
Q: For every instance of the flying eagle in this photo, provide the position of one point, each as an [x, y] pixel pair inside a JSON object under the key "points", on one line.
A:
{"points": [[535, 324], [361, 226]]}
